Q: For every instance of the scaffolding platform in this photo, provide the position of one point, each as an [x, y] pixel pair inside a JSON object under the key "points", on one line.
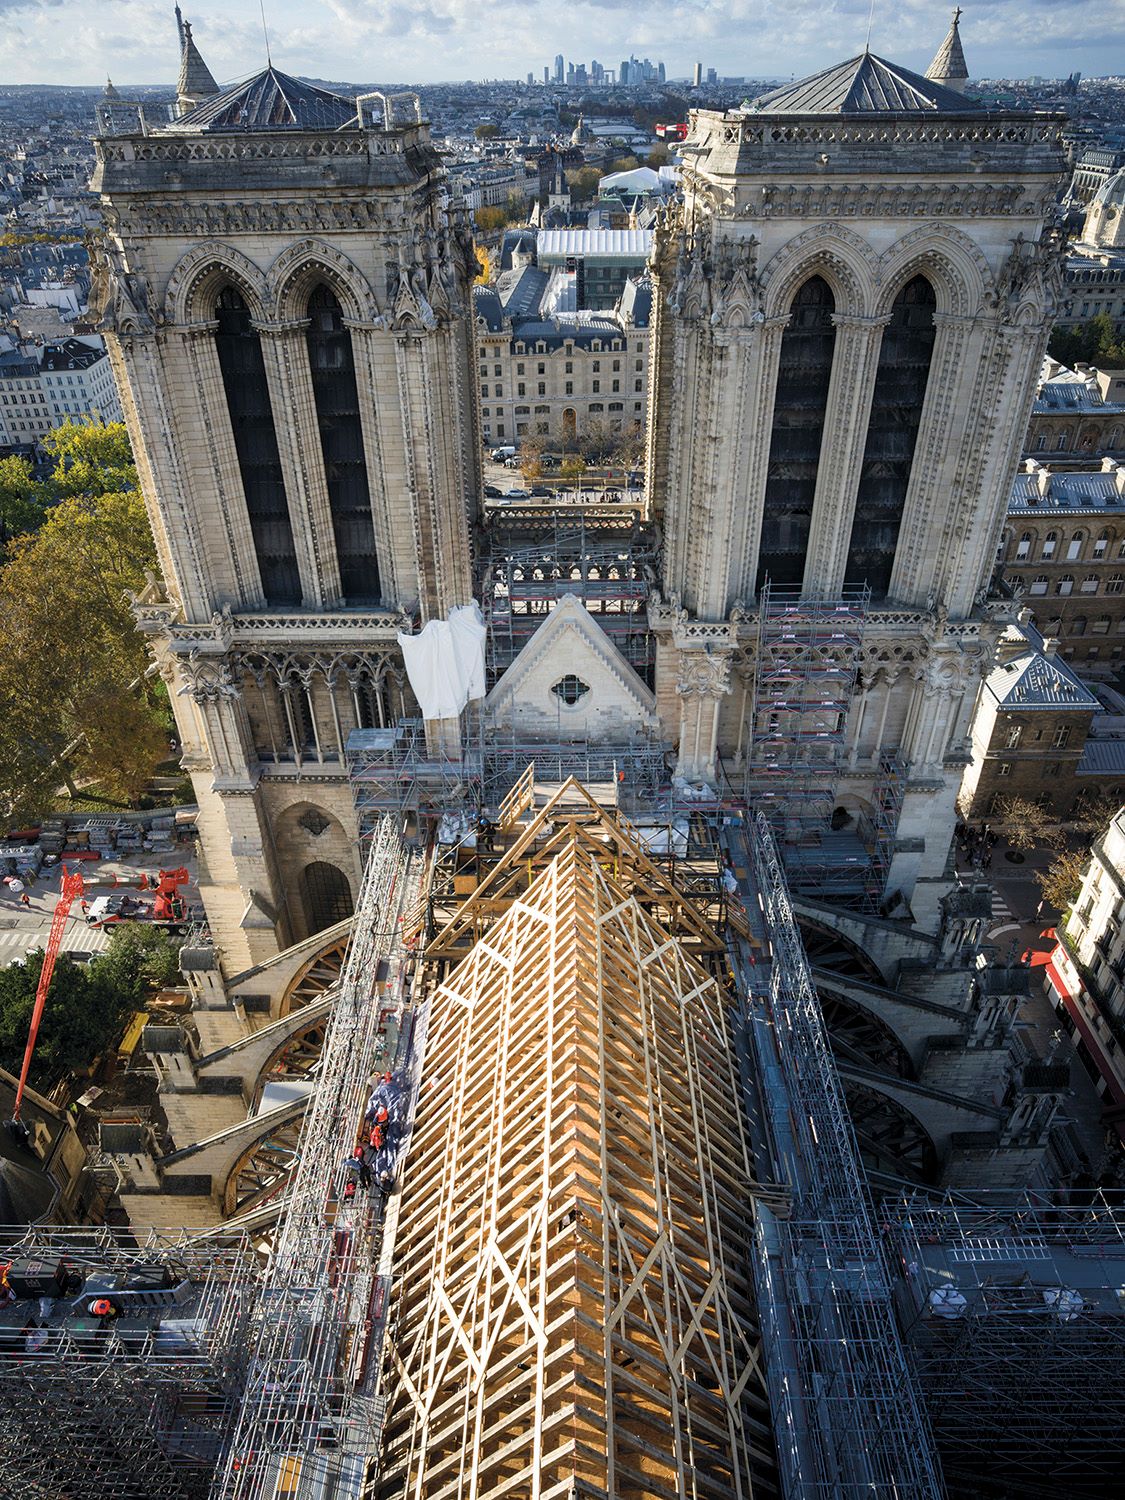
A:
{"points": [[1013, 1309], [130, 1403]]}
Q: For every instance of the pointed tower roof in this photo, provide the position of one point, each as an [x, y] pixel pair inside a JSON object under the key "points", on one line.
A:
{"points": [[271, 100], [949, 67], [861, 86], [196, 81]]}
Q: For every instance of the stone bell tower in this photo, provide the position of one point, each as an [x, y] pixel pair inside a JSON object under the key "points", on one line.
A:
{"points": [[287, 307], [851, 310]]}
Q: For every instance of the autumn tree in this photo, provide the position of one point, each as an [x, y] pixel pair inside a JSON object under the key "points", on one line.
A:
{"points": [[74, 703], [1061, 881], [1093, 812], [583, 183], [531, 458], [573, 466], [1026, 825], [22, 501], [486, 132], [490, 220]]}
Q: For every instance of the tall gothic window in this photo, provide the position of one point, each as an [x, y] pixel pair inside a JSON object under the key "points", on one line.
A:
{"points": [[896, 412], [804, 371], [341, 438], [251, 418]]}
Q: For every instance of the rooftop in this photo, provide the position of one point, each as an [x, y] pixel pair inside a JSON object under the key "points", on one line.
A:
{"points": [[1033, 681], [865, 85], [591, 244], [271, 100], [1061, 493]]}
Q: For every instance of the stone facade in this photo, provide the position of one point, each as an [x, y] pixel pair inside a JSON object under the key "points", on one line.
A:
{"points": [[867, 204], [206, 221]]}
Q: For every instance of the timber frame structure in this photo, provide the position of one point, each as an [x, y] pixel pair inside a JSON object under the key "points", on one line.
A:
{"points": [[573, 1302]]}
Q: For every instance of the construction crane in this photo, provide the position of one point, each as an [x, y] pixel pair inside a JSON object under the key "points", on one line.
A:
{"points": [[166, 884]]}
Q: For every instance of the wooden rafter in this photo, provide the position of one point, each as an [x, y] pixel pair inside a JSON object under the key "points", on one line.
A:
{"points": [[573, 1313], [609, 839]]}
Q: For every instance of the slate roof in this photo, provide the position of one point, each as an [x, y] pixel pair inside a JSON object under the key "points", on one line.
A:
{"points": [[271, 100], [486, 305], [865, 85], [1101, 758], [195, 76], [1035, 681], [949, 60], [1077, 490]]}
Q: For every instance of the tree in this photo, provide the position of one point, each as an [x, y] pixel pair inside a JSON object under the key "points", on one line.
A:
{"points": [[486, 132], [139, 958], [1026, 825], [657, 158], [1095, 342], [531, 458], [21, 499], [583, 183], [516, 208], [485, 274], [491, 219], [573, 466], [1061, 881], [73, 698], [84, 1015], [1092, 813]]}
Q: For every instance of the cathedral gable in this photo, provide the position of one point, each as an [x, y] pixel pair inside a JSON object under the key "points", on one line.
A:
{"points": [[571, 679]]}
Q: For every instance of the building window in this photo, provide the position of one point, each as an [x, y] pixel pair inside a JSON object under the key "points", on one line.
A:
{"points": [[570, 689], [243, 369], [1074, 546], [568, 389], [1005, 768], [1040, 442], [595, 386], [1100, 626], [569, 367], [1049, 543], [1039, 584], [896, 414], [519, 369], [804, 371], [1062, 737], [1065, 584], [341, 439], [484, 391], [521, 389], [1024, 546], [1101, 544], [1015, 733], [1090, 584]]}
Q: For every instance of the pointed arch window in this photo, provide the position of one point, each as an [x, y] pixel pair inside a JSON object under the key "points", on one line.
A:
{"points": [[892, 432], [800, 402], [332, 364], [239, 350]]}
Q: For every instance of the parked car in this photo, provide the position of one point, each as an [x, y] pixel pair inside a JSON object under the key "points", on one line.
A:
{"points": [[518, 495], [540, 492], [548, 461], [512, 463], [492, 492], [499, 455]]}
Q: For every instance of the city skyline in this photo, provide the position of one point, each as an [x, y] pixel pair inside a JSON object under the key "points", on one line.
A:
{"points": [[133, 41]]}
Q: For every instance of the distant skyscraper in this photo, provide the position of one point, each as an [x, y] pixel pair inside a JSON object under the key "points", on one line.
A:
{"points": [[546, 76], [623, 75], [660, 73], [712, 76], [697, 77], [570, 73], [560, 67]]}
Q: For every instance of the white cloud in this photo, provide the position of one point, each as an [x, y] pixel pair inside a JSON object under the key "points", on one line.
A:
{"points": [[373, 41]]}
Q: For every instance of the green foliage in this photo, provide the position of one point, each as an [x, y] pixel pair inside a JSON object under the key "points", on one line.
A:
{"points": [[87, 1006], [492, 219], [22, 502], [486, 132], [583, 183], [84, 1015], [1094, 343], [657, 157], [73, 703]]}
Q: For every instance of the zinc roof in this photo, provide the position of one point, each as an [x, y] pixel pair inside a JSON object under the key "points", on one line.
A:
{"points": [[865, 85]]}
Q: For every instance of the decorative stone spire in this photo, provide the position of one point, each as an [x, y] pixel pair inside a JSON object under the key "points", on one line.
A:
{"points": [[110, 91], [948, 67], [196, 82]]}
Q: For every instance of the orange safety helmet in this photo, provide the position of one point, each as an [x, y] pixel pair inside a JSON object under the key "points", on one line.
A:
{"points": [[101, 1307]]}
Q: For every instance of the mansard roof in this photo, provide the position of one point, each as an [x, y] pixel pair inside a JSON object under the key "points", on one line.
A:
{"points": [[865, 85], [1037, 681], [272, 100]]}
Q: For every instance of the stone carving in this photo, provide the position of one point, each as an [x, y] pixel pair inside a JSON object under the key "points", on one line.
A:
{"points": [[704, 674], [118, 297], [314, 821]]}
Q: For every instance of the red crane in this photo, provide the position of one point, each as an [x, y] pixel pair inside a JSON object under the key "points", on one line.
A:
{"points": [[74, 887]]}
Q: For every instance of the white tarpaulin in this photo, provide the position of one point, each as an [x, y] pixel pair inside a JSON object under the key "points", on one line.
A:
{"points": [[445, 662]]}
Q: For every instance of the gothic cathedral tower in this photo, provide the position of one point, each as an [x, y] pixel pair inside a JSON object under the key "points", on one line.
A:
{"points": [[286, 304], [851, 313]]}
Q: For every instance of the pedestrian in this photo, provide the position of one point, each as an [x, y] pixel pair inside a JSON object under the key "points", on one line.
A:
{"points": [[25, 899]]}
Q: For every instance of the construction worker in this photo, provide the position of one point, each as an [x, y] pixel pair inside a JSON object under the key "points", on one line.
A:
{"points": [[377, 1137], [102, 1307]]}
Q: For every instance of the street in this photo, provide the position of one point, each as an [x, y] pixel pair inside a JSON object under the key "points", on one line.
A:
{"points": [[25, 928]]}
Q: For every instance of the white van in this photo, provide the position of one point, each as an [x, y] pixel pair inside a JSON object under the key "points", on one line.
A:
{"points": [[498, 455]]}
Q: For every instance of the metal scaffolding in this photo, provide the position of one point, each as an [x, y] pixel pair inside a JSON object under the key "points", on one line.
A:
{"points": [[847, 1420], [531, 562], [805, 671], [1013, 1310], [130, 1403], [394, 772], [309, 1422]]}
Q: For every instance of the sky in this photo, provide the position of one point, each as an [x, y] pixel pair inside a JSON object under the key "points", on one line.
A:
{"points": [[431, 41]]}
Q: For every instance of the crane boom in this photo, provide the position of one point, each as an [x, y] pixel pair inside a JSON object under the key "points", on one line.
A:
{"points": [[72, 888]]}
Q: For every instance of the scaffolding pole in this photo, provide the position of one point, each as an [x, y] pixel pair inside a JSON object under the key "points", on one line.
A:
{"points": [[847, 1418], [310, 1420]]}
